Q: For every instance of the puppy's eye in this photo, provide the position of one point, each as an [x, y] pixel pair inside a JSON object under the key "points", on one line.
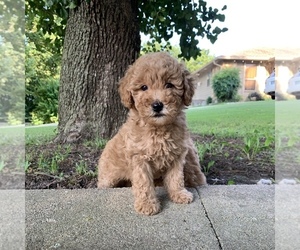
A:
{"points": [[169, 85], [144, 87]]}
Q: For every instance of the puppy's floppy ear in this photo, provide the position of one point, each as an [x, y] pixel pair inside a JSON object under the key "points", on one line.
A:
{"points": [[188, 86], [124, 91]]}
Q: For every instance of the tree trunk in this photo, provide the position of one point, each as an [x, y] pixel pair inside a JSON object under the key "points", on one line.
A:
{"points": [[102, 39]]}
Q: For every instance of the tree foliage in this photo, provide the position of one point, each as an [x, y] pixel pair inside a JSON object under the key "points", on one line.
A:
{"points": [[42, 83], [191, 64], [189, 19], [42, 65], [226, 83], [12, 23], [196, 63], [12, 61], [158, 18]]}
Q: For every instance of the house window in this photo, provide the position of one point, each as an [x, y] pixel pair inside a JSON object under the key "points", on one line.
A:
{"points": [[208, 81], [250, 77]]}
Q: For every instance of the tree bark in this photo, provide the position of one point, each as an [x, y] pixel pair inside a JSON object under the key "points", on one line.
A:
{"points": [[102, 38]]}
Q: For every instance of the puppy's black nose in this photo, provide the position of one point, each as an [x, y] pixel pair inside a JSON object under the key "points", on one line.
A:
{"points": [[157, 106]]}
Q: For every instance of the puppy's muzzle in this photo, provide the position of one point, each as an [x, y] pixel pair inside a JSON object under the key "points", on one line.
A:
{"points": [[157, 106]]}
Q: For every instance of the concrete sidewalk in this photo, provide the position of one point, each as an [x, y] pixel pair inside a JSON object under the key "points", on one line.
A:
{"points": [[221, 217]]}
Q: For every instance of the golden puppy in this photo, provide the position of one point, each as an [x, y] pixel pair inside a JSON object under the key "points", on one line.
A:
{"points": [[154, 142]]}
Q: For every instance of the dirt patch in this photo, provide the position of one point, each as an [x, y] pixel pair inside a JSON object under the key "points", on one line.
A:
{"points": [[53, 166], [11, 166], [231, 165], [12, 180]]}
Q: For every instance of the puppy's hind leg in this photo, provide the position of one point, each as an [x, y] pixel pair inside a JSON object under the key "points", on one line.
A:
{"points": [[193, 176], [104, 182], [107, 178]]}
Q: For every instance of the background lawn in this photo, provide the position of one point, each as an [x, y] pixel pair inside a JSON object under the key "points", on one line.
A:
{"points": [[39, 134], [223, 120], [287, 116], [233, 119], [230, 120], [12, 135]]}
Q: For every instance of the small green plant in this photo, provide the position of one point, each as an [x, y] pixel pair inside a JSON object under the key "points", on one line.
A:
{"points": [[251, 146], [68, 149], [41, 162], [53, 167], [201, 149], [269, 141], [81, 168], [97, 143], [26, 165], [230, 182], [207, 168], [51, 164], [292, 140], [2, 165], [48, 165], [92, 173], [209, 148], [19, 163], [100, 143]]}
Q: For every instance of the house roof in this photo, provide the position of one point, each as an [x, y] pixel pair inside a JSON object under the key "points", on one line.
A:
{"points": [[265, 53], [257, 54]]}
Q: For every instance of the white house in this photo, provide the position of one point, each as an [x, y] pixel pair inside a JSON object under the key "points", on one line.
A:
{"points": [[255, 66]]}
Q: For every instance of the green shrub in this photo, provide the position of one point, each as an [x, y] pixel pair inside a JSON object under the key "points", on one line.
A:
{"points": [[209, 100], [13, 119], [226, 83], [46, 99], [42, 69], [255, 96], [11, 81], [237, 98], [35, 120]]}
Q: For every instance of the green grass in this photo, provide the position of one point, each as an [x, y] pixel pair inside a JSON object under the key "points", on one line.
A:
{"points": [[18, 135], [233, 119], [253, 122], [225, 120], [12, 135], [287, 121], [40, 134], [287, 114]]}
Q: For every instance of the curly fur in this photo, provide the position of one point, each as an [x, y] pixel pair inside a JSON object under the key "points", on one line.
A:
{"points": [[153, 145]]}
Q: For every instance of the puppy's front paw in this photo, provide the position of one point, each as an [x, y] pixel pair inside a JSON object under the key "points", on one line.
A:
{"points": [[182, 197], [147, 208]]}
